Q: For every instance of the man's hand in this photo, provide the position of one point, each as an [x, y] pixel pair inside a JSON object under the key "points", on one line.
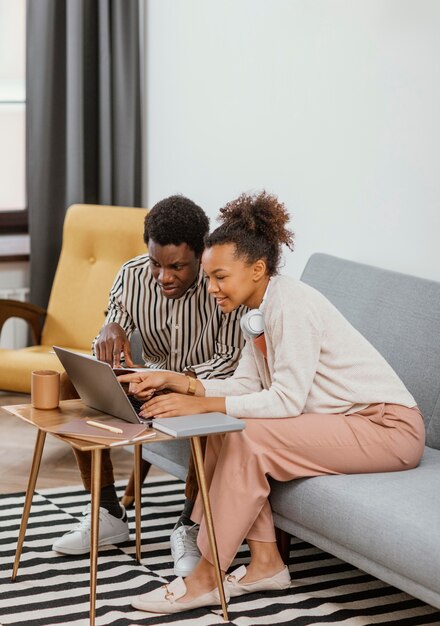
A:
{"points": [[111, 342]]}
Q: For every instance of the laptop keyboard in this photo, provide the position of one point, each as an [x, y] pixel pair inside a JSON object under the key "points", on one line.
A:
{"points": [[136, 404]]}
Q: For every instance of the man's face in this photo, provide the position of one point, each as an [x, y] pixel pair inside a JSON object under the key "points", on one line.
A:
{"points": [[175, 268]]}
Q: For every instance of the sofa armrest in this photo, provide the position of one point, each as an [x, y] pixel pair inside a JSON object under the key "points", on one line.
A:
{"points": [[31, 313]]}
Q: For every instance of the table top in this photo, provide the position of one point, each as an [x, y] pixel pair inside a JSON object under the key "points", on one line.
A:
{"points": [[67, 411]]}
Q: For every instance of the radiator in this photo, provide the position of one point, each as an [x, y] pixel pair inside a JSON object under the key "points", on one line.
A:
{"points": [[15, 331]]}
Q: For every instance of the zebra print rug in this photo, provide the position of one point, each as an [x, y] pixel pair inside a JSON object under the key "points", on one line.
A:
{"points": [[53, 589]]}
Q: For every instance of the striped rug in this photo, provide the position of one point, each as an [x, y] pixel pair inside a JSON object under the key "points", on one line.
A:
{"points": [[54, 589]]}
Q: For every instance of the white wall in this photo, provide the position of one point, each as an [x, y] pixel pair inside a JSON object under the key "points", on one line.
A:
{"points": [[333, 105]]}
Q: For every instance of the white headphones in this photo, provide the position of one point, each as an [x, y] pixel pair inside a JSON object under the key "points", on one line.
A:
{"points": [[252, 322]]}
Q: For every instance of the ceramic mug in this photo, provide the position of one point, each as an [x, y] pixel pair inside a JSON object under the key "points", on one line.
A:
{"points": [[45, 389]]}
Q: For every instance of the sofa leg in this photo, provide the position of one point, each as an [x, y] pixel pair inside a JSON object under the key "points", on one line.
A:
{"points": [[128, 497], [283, 543]]}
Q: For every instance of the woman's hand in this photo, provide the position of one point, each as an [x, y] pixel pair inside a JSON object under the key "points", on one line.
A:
{"points": [[173, 405], [144, 384]]}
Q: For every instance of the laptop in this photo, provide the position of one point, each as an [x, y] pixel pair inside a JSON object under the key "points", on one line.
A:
{"points": [[98, 387]]}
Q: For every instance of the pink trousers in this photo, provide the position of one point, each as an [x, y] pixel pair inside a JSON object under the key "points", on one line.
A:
{"points": [[380, 438]]}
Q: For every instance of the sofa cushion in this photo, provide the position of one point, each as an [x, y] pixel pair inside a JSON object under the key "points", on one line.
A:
{"points": [[433, 432], [398, 314], [16, 366], [390, 518]]}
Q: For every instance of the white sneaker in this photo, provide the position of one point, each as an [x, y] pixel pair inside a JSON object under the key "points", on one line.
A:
{"points": [[112, 530], [184, 549]]}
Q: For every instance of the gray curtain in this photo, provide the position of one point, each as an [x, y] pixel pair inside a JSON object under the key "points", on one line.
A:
{"points": [[83, 117]]}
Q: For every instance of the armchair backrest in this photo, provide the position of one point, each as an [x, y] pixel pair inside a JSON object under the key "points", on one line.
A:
{"points": [[97, 240]]}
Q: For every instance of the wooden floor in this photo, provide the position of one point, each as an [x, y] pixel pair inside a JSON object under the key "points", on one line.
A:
{"points": [[58, 466]]}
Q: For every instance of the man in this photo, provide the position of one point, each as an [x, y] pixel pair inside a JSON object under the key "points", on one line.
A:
{"points": [[164, 295]]}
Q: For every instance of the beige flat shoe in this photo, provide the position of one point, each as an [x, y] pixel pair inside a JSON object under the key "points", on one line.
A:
{"points": [[165, 599], [280, 580]]}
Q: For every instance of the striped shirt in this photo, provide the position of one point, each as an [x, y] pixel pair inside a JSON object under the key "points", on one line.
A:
{"points": [[185, 334]]}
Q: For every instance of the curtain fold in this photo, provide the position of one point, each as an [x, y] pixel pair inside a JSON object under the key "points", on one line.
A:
{"points": [[83, 117]]}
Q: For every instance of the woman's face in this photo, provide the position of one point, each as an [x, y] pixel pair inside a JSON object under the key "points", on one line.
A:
{"points": [[232, 281]]}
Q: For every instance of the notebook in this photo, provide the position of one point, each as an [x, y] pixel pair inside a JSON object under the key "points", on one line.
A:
{"points": [[80, 429], [195, 425]]}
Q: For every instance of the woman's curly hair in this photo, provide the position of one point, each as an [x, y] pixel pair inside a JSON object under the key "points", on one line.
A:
{"points": [[256, 224]]}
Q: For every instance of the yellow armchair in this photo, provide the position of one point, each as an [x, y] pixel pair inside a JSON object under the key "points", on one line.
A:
{"points": [[97, 240]]}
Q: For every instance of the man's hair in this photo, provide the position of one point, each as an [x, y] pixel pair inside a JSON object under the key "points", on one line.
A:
{"points": [[176, 220]]}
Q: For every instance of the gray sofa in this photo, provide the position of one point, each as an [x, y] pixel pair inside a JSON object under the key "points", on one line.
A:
{"points": [[386, 524]]}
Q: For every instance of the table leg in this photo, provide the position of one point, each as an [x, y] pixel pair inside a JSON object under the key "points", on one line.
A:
{"points": [[200, 472], [96, 498], [38, 451], [128, 497], [137, 498]]}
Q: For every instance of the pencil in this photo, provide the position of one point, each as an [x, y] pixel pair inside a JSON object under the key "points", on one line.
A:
{"points": [[140, 438], [112, 429]]}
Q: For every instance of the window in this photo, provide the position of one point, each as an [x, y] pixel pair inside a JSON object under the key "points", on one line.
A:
{"points": [[12, 113]]}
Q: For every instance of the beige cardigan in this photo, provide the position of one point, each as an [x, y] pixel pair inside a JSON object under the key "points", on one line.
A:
{"points": [[316, 362]]}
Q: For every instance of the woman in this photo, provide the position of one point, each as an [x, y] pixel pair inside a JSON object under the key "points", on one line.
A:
{"points": [[316, 396]]}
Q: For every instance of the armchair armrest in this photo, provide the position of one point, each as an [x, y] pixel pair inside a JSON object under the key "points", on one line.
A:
{"points": [[31, 313]]}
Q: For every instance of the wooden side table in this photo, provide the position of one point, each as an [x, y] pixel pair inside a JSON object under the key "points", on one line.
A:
{"points": [[70, 410]]}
